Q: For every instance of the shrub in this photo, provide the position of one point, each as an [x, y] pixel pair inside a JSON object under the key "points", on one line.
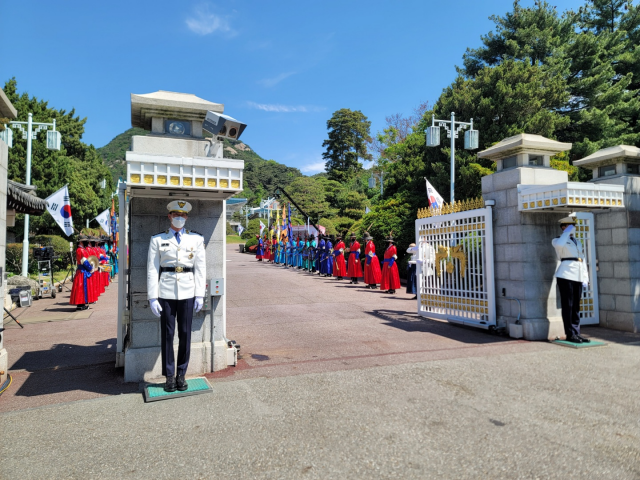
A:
{"points": [[61, 249], [251, 242]]}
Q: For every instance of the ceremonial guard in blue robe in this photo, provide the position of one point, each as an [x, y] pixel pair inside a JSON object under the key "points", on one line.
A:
{"points": [[321, 256], [328, 248]]}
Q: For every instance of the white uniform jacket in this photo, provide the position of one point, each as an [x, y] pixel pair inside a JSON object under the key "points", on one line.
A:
{"points": [[165, 251], [570, 269]]}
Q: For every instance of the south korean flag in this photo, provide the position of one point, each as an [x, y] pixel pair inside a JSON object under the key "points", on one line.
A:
{"points": [[59, 206]]}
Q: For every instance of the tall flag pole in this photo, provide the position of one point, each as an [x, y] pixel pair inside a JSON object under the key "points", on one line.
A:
{"points": [[290, 230]]}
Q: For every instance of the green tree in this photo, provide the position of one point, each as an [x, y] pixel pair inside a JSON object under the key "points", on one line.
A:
{"points": [[76, 164], [309, 194], [347, 143]]}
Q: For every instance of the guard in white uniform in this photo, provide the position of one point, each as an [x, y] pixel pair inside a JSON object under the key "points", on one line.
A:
{"points": [[175, 288], [572, 276]]}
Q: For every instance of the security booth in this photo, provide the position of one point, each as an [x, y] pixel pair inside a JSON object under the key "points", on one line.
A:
{"points": [[618, 235], [175, 161]]}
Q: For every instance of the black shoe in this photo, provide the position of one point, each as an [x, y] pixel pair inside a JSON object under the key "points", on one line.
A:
{"points": [[392, 291], [182, 383], [574, 339], [584, 340], [170, 384], [80, 307]]}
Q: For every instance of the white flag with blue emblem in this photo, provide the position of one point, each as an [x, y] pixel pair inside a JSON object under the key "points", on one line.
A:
{"points": [[435, 199], [59, 206], [104, 219], [262, 227]]}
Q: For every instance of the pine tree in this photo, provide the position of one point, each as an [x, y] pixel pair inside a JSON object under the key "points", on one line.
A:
{"points": [[347, 143]]}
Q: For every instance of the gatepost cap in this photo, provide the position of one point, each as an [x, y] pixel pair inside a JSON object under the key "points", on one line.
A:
{"points": [[181, 206]]}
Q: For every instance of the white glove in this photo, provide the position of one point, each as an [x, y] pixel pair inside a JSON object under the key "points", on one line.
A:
{"points": [[197, 305], [570, 229], [585, 285], [155, 306]]}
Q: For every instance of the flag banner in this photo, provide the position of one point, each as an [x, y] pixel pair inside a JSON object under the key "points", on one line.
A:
{"points": [[289, 233], [104, 219], [59, 206], [262, 227], [240, 229], [435, 200]]}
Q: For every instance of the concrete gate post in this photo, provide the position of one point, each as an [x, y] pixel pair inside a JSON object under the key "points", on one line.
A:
{"points": [[525, 261], [173, 162]]}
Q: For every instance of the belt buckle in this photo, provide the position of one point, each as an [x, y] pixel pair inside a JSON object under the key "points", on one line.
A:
{"points": [[179, 269]]}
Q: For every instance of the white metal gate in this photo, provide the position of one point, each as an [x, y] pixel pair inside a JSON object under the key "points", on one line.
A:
{"points": [[585, 232], [456, 281]]}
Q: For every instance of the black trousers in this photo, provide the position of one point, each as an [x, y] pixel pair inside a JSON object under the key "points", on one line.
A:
{"points": [[180, 311], [570, 295]]}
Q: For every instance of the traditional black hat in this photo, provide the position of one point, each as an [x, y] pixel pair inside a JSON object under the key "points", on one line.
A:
{"points": [[366, 236], [390, 239], [353, 235]]}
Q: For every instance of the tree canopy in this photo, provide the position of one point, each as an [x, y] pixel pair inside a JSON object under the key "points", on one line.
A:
{"points": [[76, 164], [347, 143]]}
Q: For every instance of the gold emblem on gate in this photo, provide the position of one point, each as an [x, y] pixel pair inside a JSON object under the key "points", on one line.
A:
{"points": [[448, 254]]}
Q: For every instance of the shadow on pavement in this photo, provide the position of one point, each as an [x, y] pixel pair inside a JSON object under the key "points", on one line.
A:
{"points": [[67, 367], [412, 322]]}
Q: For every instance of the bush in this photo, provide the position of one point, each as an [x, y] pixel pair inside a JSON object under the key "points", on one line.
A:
{"points": [[330, 228], [253, 228], [230, 230], [251, 242]]}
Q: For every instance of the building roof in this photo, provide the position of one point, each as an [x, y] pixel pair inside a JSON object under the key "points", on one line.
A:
{"points": [[524, 142], [164, 104], [22, 199], [609, 155], [7, 110]]}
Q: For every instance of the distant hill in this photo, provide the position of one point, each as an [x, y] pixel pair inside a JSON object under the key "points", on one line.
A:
{"points": [[260, 176]]}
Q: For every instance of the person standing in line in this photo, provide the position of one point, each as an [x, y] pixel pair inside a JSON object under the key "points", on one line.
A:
{"points": [[354, 269], [572, 277], [260, 249], [372, 275], [176, 273], [322, 268], [411, 270], [390, 276], [81, 293], [339, 266], [95, 281], [328, 257], [313, 253]]}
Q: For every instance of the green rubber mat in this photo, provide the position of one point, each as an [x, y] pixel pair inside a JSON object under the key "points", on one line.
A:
{"points": [[155, 391], [592, 343]]}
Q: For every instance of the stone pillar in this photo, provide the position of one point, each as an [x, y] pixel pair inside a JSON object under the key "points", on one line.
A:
{"points": [[142, 355], [4, 159], [525, 260], [618, 255]]}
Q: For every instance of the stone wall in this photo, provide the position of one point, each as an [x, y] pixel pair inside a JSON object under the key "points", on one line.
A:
{"points": [[525, 261], [142, 355], [618, 255]]}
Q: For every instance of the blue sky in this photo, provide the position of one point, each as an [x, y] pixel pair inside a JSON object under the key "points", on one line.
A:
{"points": [[282, 67]]}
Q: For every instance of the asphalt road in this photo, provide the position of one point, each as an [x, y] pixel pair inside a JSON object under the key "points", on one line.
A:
{"points": [[341, 382]]}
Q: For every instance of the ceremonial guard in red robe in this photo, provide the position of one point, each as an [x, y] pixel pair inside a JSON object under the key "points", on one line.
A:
{"points": [[81, 293], [390, 276], [372, 275], [104, 260], [95, 282], [339, 266], [354, 269]]}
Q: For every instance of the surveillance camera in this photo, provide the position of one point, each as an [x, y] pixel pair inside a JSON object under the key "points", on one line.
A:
{"points": [[223, 125]]}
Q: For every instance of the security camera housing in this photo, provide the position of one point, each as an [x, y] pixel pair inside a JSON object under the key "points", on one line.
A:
{"points": [[223, 125]]}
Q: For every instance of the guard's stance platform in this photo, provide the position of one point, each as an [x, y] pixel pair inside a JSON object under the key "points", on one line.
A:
{"points": [[592, 343], [155, 391]]}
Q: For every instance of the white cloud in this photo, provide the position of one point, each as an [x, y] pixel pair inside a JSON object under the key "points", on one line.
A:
{"points": [[204, 22], [271, 82], [271, 107], [315, 167]]}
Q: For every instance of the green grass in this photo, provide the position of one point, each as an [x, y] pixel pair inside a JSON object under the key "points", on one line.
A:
{"points": [[235, 239]]}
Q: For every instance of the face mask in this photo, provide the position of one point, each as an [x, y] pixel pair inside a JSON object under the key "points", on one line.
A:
{"points": [[178, 222]]}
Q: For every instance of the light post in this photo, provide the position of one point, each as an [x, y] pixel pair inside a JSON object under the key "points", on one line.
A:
{"points": [[372, 181], [453, 128], [53, 143]]}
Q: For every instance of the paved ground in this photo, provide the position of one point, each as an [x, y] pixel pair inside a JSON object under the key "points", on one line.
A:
{"points": [[335, 382]]}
